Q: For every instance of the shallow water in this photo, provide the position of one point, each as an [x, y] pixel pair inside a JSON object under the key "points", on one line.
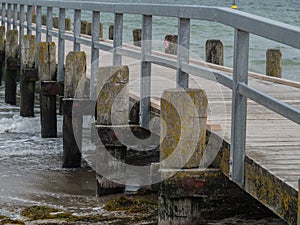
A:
{"points": [[31, 173]]}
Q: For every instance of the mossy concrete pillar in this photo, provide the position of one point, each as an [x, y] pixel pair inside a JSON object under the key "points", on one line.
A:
{"points": [[214, 52], [274, 63], [183, 137], [183, 130], [75, 72], [28, 75], [11, 67], [112, 118], [47, 76]]}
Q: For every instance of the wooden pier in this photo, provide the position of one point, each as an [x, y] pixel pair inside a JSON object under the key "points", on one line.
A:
{"points": [[270, 169]]}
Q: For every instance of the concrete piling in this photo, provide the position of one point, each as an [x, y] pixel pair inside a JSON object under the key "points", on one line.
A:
{"points": [[274, 63], [47, 76], [214, 52], [12, 64], [184, 112], [137, 37], [72, 124], [171, 42], [112, 118], [111, 32], [28, 75], [2, 51]]}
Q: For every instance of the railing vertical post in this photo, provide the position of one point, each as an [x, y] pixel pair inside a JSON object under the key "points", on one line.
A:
{"points": [[29, 19], [77, 28], [49, 24], [95, 54], [38, 33], [182, 78], [239, 107], [3, 14], [15, 16], [8, 16], [145, 82], [118, 34], [61, 45], [22, 20]]}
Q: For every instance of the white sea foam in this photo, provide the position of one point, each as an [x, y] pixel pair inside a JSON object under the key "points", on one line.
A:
{"points": [[18, 124]]}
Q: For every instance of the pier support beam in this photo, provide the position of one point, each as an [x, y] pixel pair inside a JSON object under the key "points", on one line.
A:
{"points": [[214, 52], [47, 76], [112, 116], [28, 75], [72, 124], [12, 64], [183, 133], [274, 63]]}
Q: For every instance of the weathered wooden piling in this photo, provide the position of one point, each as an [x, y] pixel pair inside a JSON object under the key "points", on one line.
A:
{"points": [[2, 51], [68, 24], [111, 32], [184, 113], [83, 27], [75, 72], [55, 22], [89, 29], [44, 20], [12, 64], [28, 75], [47, 76], [112, 118], [274, 63], [171, 42], [214, 52], [137, 37]]}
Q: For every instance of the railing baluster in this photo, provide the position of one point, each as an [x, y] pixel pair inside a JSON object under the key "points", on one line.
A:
{"points": [[22, 20], [38, 32], [145, 83], [8, 16], [29, 19], [239, 107], [182, 78], [95, 53], [15, 16], [3, 14], [118, 38], [61, 45], [49, 24], [77, 28]]}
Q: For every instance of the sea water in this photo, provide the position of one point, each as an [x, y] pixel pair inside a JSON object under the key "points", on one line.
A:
{"points": [[287, 11]]}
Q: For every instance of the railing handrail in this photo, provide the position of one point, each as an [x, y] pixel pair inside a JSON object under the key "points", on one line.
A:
{"points": [[264, 27], [243, 23]]}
